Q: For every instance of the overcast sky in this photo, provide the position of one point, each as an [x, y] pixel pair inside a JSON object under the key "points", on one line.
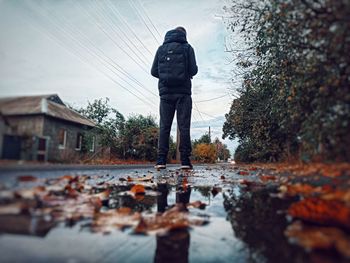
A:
{"points": [[87, 49]]}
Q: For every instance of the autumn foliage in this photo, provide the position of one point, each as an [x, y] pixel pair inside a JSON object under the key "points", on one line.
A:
{"points": [[205, 153], [295, 63]]}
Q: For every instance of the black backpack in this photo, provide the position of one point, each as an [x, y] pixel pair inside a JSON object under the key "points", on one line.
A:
{"points": [[173, 63]]}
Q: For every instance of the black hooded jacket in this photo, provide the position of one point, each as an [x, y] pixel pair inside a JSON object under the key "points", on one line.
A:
{"points": [[175, 36]]}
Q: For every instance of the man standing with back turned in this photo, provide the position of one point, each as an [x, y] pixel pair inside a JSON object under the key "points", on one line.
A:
{"points": [[175, 65]]}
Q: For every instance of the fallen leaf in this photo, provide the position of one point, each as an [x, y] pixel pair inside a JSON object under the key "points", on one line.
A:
{"points": [[175, 218], [66, 177], [266, 178], [316, 210], [141, 227], [106, 222], [246, 182], [148, 177], [27, 178], [324, 238], [340, 195], [55, 189], [138, 189], [299, 189], [31, 193], [71, 192], [103, 195]]}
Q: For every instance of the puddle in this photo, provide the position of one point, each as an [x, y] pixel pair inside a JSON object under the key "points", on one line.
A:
{"points": [[73, 241], [209, 215]]}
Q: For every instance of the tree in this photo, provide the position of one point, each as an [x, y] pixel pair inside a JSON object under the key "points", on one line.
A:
{"points": [[138, 138], [109, 122], [205, 138], [295, 99], [135, 137], [221, 150], [205, 153]]}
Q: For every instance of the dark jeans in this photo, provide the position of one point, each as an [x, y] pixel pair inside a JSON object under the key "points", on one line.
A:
{"points": [[182, 103]]}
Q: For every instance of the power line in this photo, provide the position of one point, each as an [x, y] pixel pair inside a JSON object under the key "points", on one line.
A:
{"points": [[200, 115], [194, 117], [211, 116], [101, 71], [109, 37], [143, 20], [149, 19], [111, 61], [101, 10], [98, 14], [112, 15], [77, 53], [200, 101], [118, 14]]}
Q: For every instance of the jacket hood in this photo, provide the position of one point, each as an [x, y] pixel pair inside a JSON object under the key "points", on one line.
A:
{"points": [[175, 36]]}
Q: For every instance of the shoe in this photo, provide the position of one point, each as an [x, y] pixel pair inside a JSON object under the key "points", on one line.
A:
{"points": [[186, 165], [161, 164]]}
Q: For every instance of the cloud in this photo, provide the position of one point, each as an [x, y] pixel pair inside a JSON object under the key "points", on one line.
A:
{"points": [[55, 47]]}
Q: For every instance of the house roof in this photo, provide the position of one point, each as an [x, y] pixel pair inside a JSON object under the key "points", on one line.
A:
{"points": [[50, 105]]}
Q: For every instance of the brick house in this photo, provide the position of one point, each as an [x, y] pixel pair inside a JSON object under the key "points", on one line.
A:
{"points": [[43, 128]]}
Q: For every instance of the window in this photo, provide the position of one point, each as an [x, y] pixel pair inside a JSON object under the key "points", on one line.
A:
{"points": [[79, 141], [92, 146], [62, 138]]}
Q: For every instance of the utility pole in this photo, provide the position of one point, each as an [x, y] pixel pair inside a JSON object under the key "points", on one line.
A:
{"points": [[209, 135]]}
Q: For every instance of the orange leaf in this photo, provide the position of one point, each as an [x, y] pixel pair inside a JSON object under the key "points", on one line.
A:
{"points": [[138, 189], [66, 177], [124, 210], [27, 178], [141, 227], [315, 237], [298, 189], [103, 195], [265, 178], [246, 182], [321, 211]]}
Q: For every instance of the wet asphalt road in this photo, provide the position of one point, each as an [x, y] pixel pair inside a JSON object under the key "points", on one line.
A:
{"points": [[77, 244], [244, 224]]}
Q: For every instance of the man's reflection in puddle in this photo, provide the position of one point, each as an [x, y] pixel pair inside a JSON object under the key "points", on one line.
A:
{"points": [[174, 246]]}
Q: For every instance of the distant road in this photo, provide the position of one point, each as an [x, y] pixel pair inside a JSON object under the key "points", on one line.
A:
{"points": [[55, 167], [9, 172]]}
